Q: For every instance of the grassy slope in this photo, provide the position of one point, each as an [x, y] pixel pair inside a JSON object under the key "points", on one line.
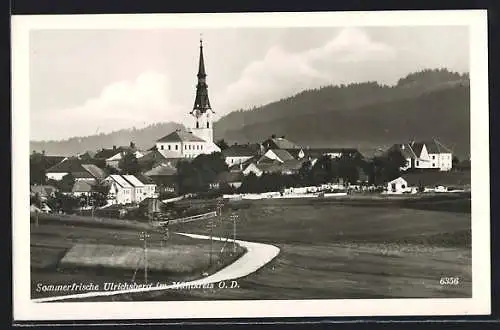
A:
{"points": [[50, 241]]}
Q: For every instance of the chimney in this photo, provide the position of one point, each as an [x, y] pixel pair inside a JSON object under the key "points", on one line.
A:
{"points": [[114, 147]]}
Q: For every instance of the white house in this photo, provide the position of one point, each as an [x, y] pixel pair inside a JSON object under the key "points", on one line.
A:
{"points": [[280, 155], [425, 155], [74, 166], [199, 139], [398, 186], [140, 190], [120, 190]]}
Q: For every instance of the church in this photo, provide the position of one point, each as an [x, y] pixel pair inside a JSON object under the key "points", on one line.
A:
{"points": [[200, 138]]}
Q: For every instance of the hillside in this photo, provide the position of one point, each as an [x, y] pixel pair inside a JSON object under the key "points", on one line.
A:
{"points": [[422, 105], [143, 138]]}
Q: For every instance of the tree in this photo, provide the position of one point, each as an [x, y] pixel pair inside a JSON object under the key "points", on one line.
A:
{"points": [[66, 184], [455, 161], [62, 202], [37, 169], [196, 175], [222, 144], [129, 164]]}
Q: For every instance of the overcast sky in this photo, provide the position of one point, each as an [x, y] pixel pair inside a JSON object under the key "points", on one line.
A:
{"points": [[88, 81]]}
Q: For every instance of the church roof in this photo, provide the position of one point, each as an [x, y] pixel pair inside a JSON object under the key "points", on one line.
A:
{"points": [[201, 101], [180, 136]]}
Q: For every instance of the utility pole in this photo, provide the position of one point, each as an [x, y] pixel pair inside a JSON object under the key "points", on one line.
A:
{"points": [[234, 217], [143, 236]]}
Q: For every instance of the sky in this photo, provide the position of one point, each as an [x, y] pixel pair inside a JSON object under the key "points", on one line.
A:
{"points": [[84, 82]]}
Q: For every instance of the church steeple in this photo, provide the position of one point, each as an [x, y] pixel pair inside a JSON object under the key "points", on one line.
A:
{"points": [[201, 102]]}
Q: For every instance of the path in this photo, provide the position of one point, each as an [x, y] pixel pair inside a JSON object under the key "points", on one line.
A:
{"points": [[257, 255]]}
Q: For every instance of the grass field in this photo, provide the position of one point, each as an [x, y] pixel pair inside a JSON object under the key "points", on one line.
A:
{"points": [[330, 251], [66, 252]]}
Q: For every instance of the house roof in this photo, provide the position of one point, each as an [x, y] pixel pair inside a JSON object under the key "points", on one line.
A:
{"points": [[435, 147], [133, 180], [95, 171], [280, 143], [108, 153], [82, 175], [69, 165], [180, 136], [241, 150], [168, 154], [120, 180], [82, 186], [162, 170], [282, 154]]}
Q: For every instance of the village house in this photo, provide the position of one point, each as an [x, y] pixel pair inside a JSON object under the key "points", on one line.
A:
{"points": [[79, 171], [232, 179], [126, 189], [164, 176], [239, 153], [112, 157], [425, 155]]}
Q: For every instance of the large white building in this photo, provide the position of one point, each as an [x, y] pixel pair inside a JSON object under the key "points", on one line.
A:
{"points": [[200, 138], [426, 155]]}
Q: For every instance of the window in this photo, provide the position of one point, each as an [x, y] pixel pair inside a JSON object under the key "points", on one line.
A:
{"points": [[169, 147], [433, 157], [161, 147], [433, 165], [202, 147], [185, 147], [176, 147], [403, 186], [418, 163]]}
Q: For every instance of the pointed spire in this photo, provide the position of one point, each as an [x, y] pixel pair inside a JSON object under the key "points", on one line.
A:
{"points": [[201, 65], [201, 102]]}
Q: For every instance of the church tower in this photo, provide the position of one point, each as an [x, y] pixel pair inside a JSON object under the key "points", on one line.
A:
{"points": [[202, 111]]}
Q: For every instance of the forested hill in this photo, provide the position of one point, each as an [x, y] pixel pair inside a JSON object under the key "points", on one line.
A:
{"points": [[143, 138], [422, 105]]}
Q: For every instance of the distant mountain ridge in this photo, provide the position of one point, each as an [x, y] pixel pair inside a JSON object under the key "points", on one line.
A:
{"points": [[422, 105], [143, 138]]}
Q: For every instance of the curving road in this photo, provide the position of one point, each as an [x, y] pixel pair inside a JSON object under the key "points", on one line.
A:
{"points": [[257, 255]]}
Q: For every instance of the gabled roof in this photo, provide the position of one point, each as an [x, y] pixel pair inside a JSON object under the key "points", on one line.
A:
{"points": [[180, 136], [120, 181], [169, 154], [282, 154], [162, 170], [133, 180], [435, 147], [241, 150], [417, 148], [95, 171], [69, 165], [108, 153], [280, 143]]}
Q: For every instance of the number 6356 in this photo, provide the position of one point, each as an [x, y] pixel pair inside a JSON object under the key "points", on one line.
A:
{"points": [[449, 281]]}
